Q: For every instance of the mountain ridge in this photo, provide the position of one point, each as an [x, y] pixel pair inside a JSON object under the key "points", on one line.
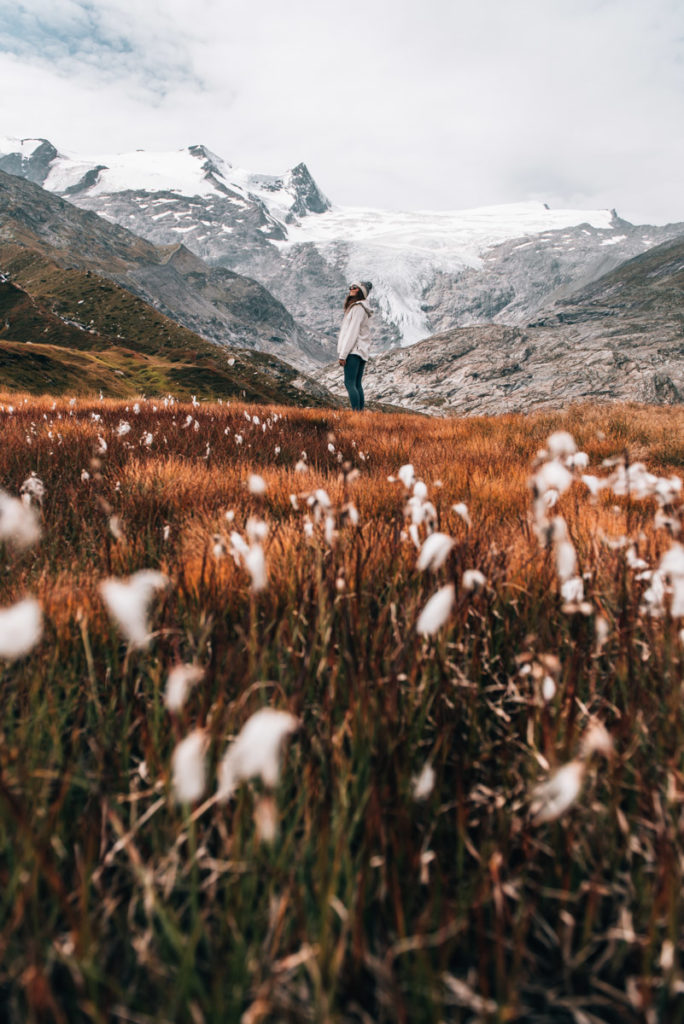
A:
{"points": [[431, 270]]}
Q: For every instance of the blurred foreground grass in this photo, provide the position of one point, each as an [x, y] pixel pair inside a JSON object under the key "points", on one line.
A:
{"points": [[119, 903]]}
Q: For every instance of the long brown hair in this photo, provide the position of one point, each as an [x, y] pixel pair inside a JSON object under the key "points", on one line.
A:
{"points": [[351, 301]]}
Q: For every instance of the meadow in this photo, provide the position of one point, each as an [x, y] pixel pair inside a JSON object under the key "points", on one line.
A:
{"points": [[469, 803]]}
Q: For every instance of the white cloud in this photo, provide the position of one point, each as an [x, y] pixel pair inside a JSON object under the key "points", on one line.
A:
{"points": [[448, 105]]}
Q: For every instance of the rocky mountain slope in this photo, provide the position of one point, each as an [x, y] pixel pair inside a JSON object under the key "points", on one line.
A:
{"points": [[66, 325], [220, 305], [432, 271], [70, 331], [620, 337]]}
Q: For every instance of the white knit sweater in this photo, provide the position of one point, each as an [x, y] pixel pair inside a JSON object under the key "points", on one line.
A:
{"points": [[354, 336]]}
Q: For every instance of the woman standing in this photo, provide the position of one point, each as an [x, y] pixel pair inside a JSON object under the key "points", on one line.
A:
{"points": [[353, 346]]}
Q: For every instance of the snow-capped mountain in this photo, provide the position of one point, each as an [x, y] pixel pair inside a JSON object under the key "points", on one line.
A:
{"points": [[432, 271]]}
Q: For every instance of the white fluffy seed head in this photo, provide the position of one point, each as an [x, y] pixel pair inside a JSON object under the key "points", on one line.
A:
{"points": [[128, 602], [572, 590], [436, 612], [554, 797], [461, 509], [257, 485], [180, 682], [256, 530], [561, 444], [406, 475], [596, 740], [566, 560], [21, 627], [434, 552], [552, 476], [423, 783], [256, 751], [189, 773], [473, 580], [255, 563], [19, 526]]}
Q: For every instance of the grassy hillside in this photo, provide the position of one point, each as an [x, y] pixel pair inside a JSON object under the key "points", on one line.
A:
{"points": [[404, 866], [87, 335]]}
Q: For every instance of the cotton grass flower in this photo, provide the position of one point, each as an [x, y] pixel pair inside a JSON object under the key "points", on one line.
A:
{"points": [[179, 683], [188, 766], [423, 783], [255, 563], [19, 524], [128, 602], [436, 612], [461, 509], [32, 490], [256, 751], [473, 580], [572, 590], [434, 552], [257, 485], [21, 627], [406, 475], [672, 567], [566, 560], [552, 476], [553, 798], [561, 444]]}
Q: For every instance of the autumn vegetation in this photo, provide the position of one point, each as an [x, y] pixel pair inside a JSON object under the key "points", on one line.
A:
{"points": [[402, 861]]}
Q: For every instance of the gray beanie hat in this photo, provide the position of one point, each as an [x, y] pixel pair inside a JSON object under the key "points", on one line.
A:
{"points": [[365, 287]]}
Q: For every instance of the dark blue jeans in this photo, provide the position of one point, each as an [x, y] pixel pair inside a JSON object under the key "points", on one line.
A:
{"points": [[353, 372]]}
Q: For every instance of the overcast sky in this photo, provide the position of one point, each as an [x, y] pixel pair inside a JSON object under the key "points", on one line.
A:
{"points": [[441, 104]]}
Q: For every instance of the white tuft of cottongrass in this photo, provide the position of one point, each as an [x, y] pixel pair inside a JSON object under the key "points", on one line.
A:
{"points": [[32, 490], [671, 568], [548, 688], [423, 783], [128, 601], [552, 476], [256, 751], [461, 509], [594, 483], [406, 475], [188, 767], [434, 552], [21, 627], [473, 580], [19, 524], [572, 590], [179, 683], [596, 740], [256, 529], [256, 484], [561, 444], [255, 563], [566, 560], [436, 612], [553, 798]]}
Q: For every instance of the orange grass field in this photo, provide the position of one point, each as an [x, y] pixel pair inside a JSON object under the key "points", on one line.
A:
{"points": [[473, 814]]}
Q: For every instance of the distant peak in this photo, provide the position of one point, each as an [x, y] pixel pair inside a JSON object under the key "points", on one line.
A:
{"points": [[204, 153], [309, 198], [27, 158]]}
